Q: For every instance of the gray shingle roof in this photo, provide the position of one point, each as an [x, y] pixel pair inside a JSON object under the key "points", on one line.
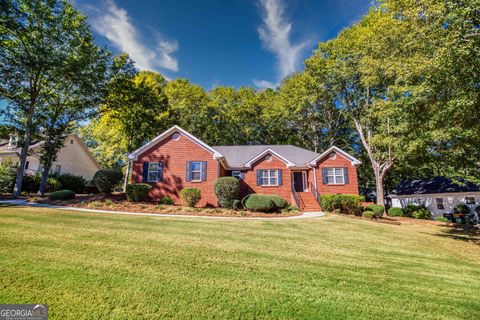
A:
{"points": [[435, 185], [237, 156]]}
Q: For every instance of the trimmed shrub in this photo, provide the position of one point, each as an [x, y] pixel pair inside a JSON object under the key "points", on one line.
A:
{"points": [[462, 209], [62, 195], [410, 208], [74, 183], [8, 174], [227, 190], [137, 192], [441, 219], [395, 212], [291, 208], [345, 203], [106, 180], [369, 214], [422, 213], [376, 208], [259, 203], [279, 202], [166, 200], [190, 196]]}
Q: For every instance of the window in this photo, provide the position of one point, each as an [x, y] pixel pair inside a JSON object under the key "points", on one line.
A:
{"points": [[153, 171], [440, 205], [57, 169], [237, 174], [418, 201], [335, 176], [470, 200], [269, 177], [27, 164], [196, 168]]}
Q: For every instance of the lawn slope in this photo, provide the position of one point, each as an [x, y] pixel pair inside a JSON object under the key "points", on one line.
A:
{"points": [[89, 266]]}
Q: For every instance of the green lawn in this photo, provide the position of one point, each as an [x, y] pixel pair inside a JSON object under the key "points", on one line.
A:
{"points": [[88, 266]]}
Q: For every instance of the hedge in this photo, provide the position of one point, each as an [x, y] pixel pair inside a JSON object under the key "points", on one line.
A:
{"points": [[62, 195], [137, 192], [395, 212], [345, 203], [227, 190], [462, 208], [422, 213], [190, 196], [410, 208], [166, 200], [70, 182], [264, 203], [106, 180]]}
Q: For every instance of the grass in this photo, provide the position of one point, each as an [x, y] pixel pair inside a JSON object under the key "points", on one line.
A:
{"points": [[88, 266]]}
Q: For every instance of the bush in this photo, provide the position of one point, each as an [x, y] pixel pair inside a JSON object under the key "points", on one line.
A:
{"points": [[90, 188], [422, 213], [477, 210], [376, 208], [74, 183], [31, 183], [441, 219], [369, 214], [62, 195], [8, 174], [291, 208], [227, 190], [236, 204], [395, 212], [137, 192], [410, 208], [345, 203], [259, 203], [462, 209], [166, 200], [106, 180], [190, 196], [279, 202]]}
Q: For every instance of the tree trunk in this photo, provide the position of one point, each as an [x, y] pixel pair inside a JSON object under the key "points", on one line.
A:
{"points": [[379, 189], [44, 180], [23, 159], [127, 174]]}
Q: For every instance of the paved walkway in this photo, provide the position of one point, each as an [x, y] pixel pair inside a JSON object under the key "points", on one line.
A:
{"points": [[21, 202]]}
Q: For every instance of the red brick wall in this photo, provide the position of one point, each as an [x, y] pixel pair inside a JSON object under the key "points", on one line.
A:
{"points": [[174, 155], [249, 184], [339, 162]]}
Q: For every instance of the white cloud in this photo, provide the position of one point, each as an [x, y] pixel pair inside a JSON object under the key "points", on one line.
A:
{"points": [[263, 84], [275, 35], [114, 24]]}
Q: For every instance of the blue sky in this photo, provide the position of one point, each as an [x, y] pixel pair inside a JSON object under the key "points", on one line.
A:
{"points": [[214, 42]]}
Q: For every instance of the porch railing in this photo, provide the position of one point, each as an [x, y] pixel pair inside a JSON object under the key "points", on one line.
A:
{"points": [[316, 194], [298, 199]]}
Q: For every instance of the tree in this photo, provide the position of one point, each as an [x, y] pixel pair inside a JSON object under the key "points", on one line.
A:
{"points": [[79, 90], [37, 39]]}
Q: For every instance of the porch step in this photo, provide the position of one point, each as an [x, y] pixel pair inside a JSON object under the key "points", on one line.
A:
{"points": [[309, 202]]}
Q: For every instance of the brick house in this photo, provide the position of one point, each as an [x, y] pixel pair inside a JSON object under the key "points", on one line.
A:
{"points": [[176, 159]]}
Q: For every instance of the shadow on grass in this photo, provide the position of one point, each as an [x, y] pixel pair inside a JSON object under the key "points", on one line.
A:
{"points": [[464, 233]]}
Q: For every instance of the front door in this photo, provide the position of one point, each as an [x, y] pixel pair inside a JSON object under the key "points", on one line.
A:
{"points": [[298, 182]]}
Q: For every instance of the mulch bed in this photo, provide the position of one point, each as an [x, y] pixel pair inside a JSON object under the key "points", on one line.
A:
{"points": [[117, 202]]}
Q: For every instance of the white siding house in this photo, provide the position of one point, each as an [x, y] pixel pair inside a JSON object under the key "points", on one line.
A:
{"points": [[73, 158], [440, 195]]}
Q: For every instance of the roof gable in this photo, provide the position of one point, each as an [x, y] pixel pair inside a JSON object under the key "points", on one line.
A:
{"points": [[349, 157], [134, 155]]}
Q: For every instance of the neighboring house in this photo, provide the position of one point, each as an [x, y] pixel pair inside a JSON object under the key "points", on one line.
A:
{"points": [[73, 158], [176, 159], [439, 194]]}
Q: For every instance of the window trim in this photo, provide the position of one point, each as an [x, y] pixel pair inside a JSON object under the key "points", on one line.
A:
{"points": [[237, 174], [440, 204], [335, 176], [193, 171], [156, 171], [269, 178], [474, 201]]}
